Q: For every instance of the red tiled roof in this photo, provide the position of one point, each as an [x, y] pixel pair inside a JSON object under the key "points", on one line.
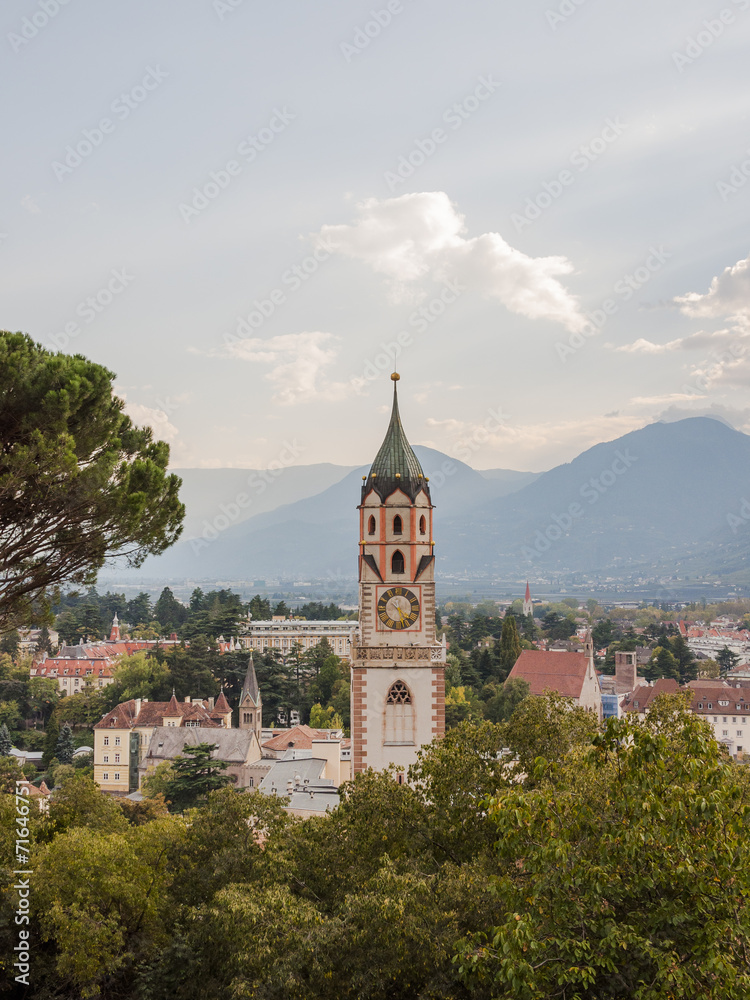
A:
{"points": [[555, 671], [222, 705], [152, 714], [640, 699], [298, 738]]}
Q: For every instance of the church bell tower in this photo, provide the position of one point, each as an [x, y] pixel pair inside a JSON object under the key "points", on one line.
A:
{"points": [[397, 664]]}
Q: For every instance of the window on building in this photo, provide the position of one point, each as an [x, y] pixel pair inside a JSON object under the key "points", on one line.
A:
{"points": [[106, 741], [105, 776], [399, 715], [397, 562], [725, 732], [371, 526], [245, 717], [251, 783], [106, 759], [734, 718], [723, 718], [422, 525], [117, 741], [398, 525], [117, 758], [117, 775], [739, 732]]}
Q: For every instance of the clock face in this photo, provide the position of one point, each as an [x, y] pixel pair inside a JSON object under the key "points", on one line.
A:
{"points": [[398, 608]]}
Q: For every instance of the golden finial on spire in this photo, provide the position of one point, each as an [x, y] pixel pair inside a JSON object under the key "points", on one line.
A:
{"points": [[395, 376]]}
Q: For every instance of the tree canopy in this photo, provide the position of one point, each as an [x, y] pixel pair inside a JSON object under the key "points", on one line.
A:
{"points": [[78, 481]]}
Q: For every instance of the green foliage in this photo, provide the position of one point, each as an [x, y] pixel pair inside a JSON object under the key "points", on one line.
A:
{"points": [[634, 881], [727, 660], [662, 664], [194, 774], [65, 747], [548, 726], [78, 481], [6, 744], [504, 700], [325, 718], [510, 647]]}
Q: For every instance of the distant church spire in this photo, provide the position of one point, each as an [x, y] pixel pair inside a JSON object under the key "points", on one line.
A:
{"points": [[528, 607]]}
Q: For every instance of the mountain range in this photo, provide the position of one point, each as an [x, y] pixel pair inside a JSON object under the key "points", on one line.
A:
{"points": [[658, 501]]}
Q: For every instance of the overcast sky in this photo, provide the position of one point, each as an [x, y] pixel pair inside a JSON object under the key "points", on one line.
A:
{"points": [[542, 208]]}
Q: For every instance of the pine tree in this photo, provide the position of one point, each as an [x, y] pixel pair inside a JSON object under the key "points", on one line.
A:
{"points": [[65, 745], [510, 646], [5, 742]]}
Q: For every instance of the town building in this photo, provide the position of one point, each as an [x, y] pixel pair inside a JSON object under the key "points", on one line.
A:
{"points": [[284, 634], [238, 748], [397, 661], [725, 707], [73, 674], [570, 674], [122, 738]]}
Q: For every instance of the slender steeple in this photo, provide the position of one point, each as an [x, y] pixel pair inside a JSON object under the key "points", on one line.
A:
{"points": [[250, 687], [395, 466]]}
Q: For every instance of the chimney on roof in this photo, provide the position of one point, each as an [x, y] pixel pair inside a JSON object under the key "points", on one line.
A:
{"points": [[187, 699]]}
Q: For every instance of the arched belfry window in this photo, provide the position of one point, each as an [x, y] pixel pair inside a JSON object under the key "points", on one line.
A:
{"points": [[399, 715], [397, 562], [422, 525], [371, 525], [398, 525]]}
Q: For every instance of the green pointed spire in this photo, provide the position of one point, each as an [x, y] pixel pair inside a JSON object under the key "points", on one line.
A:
{"points": [[395, 466]]}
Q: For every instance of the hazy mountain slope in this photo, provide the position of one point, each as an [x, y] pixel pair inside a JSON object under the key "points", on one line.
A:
{"points": [[652, 494], [655, 498], [204, 491]]}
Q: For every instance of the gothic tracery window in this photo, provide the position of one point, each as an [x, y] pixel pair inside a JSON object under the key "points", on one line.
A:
{"points": [[397, 562], [399, 716], [399, 694], [398, 525]]}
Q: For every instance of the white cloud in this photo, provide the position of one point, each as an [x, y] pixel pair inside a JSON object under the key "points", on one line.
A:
{"points": [[297, 364], [670, 397], [151, 417], [728, 294], [642, 346], [419, 236]]}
